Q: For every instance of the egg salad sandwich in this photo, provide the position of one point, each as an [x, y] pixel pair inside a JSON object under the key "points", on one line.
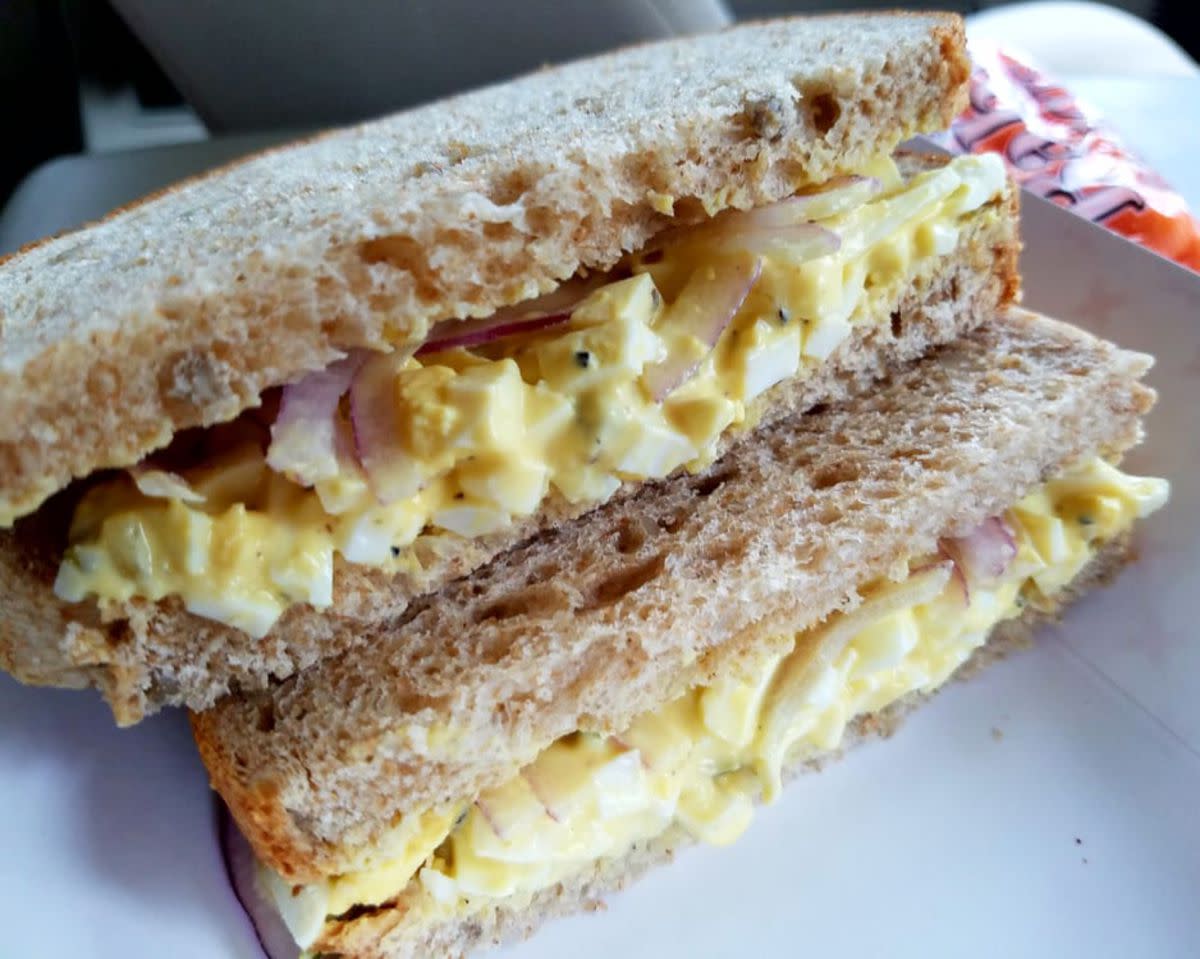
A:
{"points": [[249, 421], [532, 737]]}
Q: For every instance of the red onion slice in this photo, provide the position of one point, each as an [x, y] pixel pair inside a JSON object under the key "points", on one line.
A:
{"points": [[543, 794], [793, 216], [304, 436], [540, 313], [802, 209], [494, 330], [704, 308], [958, 579], [241, 868], [983, 555], [832, 198], [803, 241], [494, 818], [376, 422]]}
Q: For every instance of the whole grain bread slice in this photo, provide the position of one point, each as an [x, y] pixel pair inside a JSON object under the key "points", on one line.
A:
{"points": [[184, 308], [586, 626], [406, 927], [143, 655]]}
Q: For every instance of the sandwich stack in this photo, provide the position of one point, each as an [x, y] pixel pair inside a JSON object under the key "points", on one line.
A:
{"points": [[519, 488]]}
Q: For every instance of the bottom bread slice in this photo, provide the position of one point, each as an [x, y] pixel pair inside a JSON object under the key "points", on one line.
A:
{"points": [[399, 928]]}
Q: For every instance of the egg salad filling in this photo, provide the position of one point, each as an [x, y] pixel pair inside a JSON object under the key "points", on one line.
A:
{"points": [[380, 458], [700, 762]]}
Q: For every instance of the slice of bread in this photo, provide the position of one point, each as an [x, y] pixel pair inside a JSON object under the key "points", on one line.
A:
{"points": [[184, 308], [143, 656], [588, 625], [406, 928]]}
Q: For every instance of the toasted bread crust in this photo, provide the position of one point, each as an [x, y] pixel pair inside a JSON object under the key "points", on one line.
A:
{"points": [[607, 616], [143, 656], [180, 311], [401, 929]]}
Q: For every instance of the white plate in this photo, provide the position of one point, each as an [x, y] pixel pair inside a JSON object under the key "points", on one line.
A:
{"points": [[1048, 808]]}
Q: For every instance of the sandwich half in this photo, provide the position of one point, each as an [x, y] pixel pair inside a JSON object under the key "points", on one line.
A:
{"points": [[533, 736], [249, 421]]}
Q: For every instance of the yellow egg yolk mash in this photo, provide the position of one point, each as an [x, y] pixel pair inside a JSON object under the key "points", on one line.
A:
{"points": [[701, 761], [486, 434]]}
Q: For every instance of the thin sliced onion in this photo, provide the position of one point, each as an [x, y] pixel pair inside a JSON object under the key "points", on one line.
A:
{"points": [[982, 556], [804, 241], [986, 552], [493, 818], [241, 868], [376, 422], [959, 579], [543, 794], [304, 437], [540, 313], [704, 308], [956, 578], [495, 330], [162, 484], [834, 197], [755, 229], [804, 208]]}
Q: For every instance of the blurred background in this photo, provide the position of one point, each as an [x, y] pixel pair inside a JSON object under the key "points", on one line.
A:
{"points": [[98, 76]]}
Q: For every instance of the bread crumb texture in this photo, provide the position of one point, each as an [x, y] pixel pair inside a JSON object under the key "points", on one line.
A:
{"points": [[182, 309]]}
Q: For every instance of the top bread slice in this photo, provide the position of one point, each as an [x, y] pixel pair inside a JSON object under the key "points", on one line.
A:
{"points": [[181, 310], [594, 623], [145, 655]]}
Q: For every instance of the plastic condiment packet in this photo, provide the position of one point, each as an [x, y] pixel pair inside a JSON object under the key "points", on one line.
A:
{"points": [[1057, 148]]}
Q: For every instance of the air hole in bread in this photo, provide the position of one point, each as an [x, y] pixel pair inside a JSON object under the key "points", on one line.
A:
{"points": [[266, 718], [725, 551], [821, 105], [673, 523], [626, 581], [828, 477], [499, 231], [630, 535], [705, 486], [541, 220], [539, 599], [897, 325], [163, 687], [828, 514], [763, 118], [823, 112], [689, 209], [510, 188], [357, 912], [405, 254]]}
